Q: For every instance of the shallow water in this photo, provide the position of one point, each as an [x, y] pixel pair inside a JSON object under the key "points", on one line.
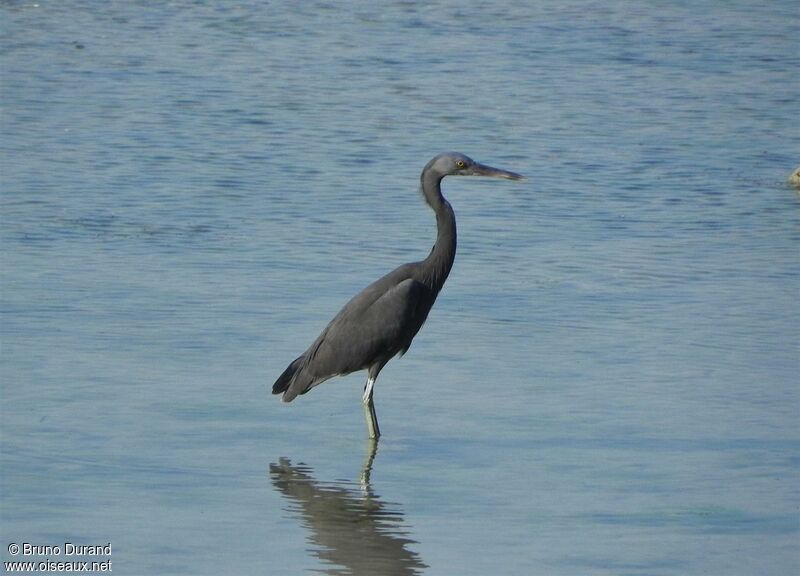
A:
{"points": [[608, 381]]}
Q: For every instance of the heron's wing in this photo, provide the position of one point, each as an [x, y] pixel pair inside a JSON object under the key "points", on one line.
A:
{"points": [[372, 327]]}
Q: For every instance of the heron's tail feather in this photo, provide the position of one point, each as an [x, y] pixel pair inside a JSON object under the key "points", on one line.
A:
{"points": [[284, 380], [294, 380]]}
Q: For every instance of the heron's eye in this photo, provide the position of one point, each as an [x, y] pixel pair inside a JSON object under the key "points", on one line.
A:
{"points": [[460, 163]]}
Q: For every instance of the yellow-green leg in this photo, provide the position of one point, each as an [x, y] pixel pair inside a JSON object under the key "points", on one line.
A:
{"points": [[369, 410]]}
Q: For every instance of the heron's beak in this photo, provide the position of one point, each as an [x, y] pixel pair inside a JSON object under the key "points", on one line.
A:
{"points": [[483, 170]]}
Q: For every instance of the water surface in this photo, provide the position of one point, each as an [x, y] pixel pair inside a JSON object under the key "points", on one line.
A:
{"points": [[608, 381]]}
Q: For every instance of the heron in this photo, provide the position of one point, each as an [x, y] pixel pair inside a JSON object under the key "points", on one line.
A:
{"points": [[380, 322]]}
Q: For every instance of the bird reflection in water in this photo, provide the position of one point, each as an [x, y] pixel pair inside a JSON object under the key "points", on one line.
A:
{"points": [[353, 532]]}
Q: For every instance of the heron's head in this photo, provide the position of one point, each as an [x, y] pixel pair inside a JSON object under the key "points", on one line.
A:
{"points": [[456, 164]]}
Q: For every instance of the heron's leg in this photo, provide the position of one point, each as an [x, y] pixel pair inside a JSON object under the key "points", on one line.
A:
{"points": [[369, 410]]}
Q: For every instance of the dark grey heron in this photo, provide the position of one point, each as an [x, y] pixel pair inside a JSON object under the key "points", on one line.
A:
{"points": [[380, 322]]}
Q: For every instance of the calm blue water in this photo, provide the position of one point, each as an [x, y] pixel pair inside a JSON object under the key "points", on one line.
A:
{"points": [[607, 385]]}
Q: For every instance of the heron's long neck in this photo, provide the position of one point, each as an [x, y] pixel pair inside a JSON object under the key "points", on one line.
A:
{"points": [[437, 265]]}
